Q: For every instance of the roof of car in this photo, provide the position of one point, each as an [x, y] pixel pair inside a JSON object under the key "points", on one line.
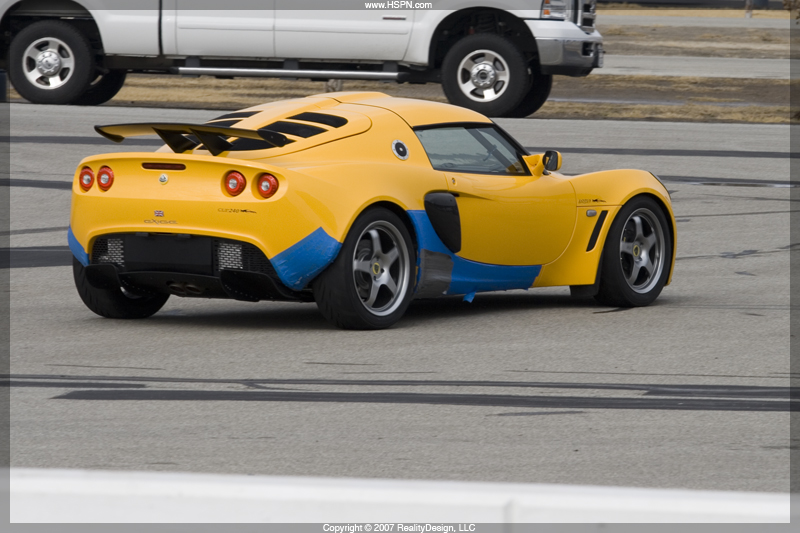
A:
{"points": [[303, 123], [413, 112]]}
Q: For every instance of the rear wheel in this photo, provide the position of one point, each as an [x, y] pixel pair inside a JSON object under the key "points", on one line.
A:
{"points": [[370, 284], [636, 256], [114, 302], [103, 89], [50, 62]]}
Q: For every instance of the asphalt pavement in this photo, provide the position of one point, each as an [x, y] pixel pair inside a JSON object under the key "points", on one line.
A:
{"points": [[696, 67], [704, 67], [521, 386], [694, 22]]}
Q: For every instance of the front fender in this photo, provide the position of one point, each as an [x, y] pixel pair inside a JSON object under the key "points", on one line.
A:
{"points": [[615, 187]]}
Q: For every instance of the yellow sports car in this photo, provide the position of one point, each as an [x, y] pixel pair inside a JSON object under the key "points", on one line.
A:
{"points": [[360, 202]]}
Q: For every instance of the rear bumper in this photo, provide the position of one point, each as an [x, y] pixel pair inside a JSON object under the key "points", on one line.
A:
{"points": [[204, 266], [293, 228]]}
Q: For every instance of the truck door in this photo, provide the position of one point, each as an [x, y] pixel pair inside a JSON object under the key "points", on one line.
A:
{"points": [[371, 34], [244, 29]]}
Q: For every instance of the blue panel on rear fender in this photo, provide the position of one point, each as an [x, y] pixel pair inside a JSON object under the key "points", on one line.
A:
{"points": [[467, 276], [76, 248], [299, 264]]}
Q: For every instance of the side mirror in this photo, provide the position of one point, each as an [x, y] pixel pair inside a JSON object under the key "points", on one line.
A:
{"points": [[552, 160]]}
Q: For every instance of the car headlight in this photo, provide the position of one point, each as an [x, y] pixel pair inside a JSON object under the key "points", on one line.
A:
{"points": [[557, 9]]}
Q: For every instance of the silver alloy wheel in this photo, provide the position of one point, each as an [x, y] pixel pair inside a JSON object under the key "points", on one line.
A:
{"points": [[48, 63], [483, 75], [641, 250], [381, 266]]}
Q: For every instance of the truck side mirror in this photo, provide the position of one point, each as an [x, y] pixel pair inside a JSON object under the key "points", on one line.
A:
{"points": [[552, 160]]}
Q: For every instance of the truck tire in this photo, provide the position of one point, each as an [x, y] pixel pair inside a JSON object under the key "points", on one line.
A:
{"points": [[486, 73], [103, 89], [537, 95], [50, 62]]}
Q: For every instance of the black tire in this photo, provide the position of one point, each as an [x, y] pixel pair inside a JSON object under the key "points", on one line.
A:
{"points": [[65, 43], [541, 85], [630, 247], [114, 303], [103, 89], [344, 290], [514, 75]]}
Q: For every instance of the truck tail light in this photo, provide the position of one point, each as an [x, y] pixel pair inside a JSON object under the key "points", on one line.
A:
{"points": [[105, 178], [234, 183], [86, 178], [267, 185]]}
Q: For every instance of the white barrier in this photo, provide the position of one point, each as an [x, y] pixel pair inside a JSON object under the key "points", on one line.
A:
{"points": [[69, 496]]}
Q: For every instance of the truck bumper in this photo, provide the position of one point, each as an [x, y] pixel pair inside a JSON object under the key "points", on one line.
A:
{"points": [[565, 48]]}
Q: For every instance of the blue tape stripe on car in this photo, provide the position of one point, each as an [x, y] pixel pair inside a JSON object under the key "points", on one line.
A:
{"points": [[300, 263], [76, 248], [469, 276]]}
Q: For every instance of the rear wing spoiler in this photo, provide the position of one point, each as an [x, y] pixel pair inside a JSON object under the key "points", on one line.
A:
{"points": [[214, 138]]}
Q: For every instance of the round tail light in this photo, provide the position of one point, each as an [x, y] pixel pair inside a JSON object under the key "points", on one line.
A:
{"points": [[105, 178], [234, 183], [267, 185], [86, 178]]}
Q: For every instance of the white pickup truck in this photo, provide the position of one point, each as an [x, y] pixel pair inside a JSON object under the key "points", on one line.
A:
{"points": [[494, 56]]}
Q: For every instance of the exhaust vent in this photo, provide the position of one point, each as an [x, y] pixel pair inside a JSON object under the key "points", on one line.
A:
{"points": [[229, 256], [108, 251]]}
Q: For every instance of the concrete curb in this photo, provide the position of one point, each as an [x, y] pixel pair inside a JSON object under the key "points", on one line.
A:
{"points": [[71, 496]]}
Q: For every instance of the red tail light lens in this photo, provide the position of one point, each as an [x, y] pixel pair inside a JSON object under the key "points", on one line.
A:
{"points": [[105, 178], [86, 178], [234, 183], [267, 185]]}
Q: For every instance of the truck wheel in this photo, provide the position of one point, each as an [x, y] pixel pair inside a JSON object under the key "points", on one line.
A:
{"points": [[536, 97], [103, 89], [50, 62], [486, 73]]}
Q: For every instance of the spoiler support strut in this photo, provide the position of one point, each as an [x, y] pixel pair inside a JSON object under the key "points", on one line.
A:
{"points": [[214, 138]]}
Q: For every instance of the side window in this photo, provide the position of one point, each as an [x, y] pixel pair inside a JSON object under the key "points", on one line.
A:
{"points": [[473, 149]]}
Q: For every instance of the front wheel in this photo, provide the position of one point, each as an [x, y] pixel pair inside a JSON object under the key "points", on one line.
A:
{"points": [[114, 302], [636, 256], [371, 282], [541, 85], [486, 73]]}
